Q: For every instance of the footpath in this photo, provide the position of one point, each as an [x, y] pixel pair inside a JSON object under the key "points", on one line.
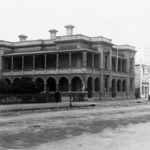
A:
{"points": [[66, 105]]}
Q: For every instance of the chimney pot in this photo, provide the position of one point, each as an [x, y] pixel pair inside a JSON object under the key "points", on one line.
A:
{"points": [[69, 30], [53, 34], [22, 37]]}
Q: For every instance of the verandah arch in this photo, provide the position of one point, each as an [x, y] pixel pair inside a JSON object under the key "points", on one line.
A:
{"points": [[76, 84], [15, 80], [96, 84], [119, 85], [63, 84], [113, 87], [90, 86], [40, 84], [8, 80], [51, 84], [124, 84]]}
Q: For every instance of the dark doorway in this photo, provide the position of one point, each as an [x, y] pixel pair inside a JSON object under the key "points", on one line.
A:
{"points": [[51, 85]]}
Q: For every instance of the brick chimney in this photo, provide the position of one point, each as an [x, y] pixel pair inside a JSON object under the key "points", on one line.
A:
{"points": [[69, 30], [53, 34], [22, 37]]}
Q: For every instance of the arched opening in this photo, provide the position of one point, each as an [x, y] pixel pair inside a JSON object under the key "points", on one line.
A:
{"points": [[8, 81], [96, 85], [39, 84], [51, 85], [76, 84], [63, 84], [90, 86], [16, 80], [119, 85], [113, 88], [124, 86], [106, 83]]}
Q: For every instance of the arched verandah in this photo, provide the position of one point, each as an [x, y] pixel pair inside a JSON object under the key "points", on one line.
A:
{"points": [[63, 84], [113, 88], [7, 80], [39, 84], [90, 86], [124, 84], [96, 84], [119, 85], [15, 80], [51, 85], [76, 84]]}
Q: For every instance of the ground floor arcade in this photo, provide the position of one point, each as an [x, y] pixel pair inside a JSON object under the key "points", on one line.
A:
{"points": [[95, 86]]}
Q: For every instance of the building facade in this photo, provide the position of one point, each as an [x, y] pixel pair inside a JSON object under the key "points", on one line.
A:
{"points": [[142, 80], [72, 63]]}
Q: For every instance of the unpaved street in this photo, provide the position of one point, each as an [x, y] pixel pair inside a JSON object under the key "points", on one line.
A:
{"points": [[108, 126]]}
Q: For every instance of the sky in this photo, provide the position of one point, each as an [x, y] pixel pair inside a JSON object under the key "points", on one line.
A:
{"points": [[123, 21]]}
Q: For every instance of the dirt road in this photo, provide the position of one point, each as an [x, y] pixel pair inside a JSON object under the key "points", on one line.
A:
{"points": [[107, 126]]}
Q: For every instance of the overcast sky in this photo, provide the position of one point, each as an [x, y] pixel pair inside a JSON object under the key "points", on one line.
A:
{"points": [[123, 21]]}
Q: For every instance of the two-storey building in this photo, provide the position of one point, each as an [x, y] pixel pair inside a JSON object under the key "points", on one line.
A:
{"points": [[142, 80], [72, 63]]}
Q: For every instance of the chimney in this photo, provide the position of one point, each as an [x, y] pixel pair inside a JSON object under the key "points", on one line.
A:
{"points": [[22, 37], [69, 30], [53, 34]]}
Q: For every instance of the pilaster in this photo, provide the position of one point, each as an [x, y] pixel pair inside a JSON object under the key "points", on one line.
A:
{"points": [[84, 55]]}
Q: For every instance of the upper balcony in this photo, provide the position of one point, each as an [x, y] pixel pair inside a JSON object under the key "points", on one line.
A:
{"points": [[50, 63]]}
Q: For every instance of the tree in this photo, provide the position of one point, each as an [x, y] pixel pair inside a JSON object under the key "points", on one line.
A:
{"points": [[24, 85], [3, 86]]}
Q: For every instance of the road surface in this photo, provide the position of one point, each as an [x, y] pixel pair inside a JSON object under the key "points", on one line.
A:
{"points": [[108, 126]]}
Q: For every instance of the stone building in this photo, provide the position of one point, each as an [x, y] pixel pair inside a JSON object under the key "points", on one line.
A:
{"points": [[72, 63], [142, 80]]}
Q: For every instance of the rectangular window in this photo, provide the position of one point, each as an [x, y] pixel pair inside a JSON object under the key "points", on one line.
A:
{"points": [[51, 61], [39, 61], [76, 60], [28, 62], [106, 62], [131, 64], [113, 64], [64, 60], [119, 65], [7, 63], [89, 60], [123, 65], [17, 63], [96, 61]]}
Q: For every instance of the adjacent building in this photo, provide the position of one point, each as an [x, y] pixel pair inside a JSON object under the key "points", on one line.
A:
{"points": [[72, 64], [142, 80]]}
